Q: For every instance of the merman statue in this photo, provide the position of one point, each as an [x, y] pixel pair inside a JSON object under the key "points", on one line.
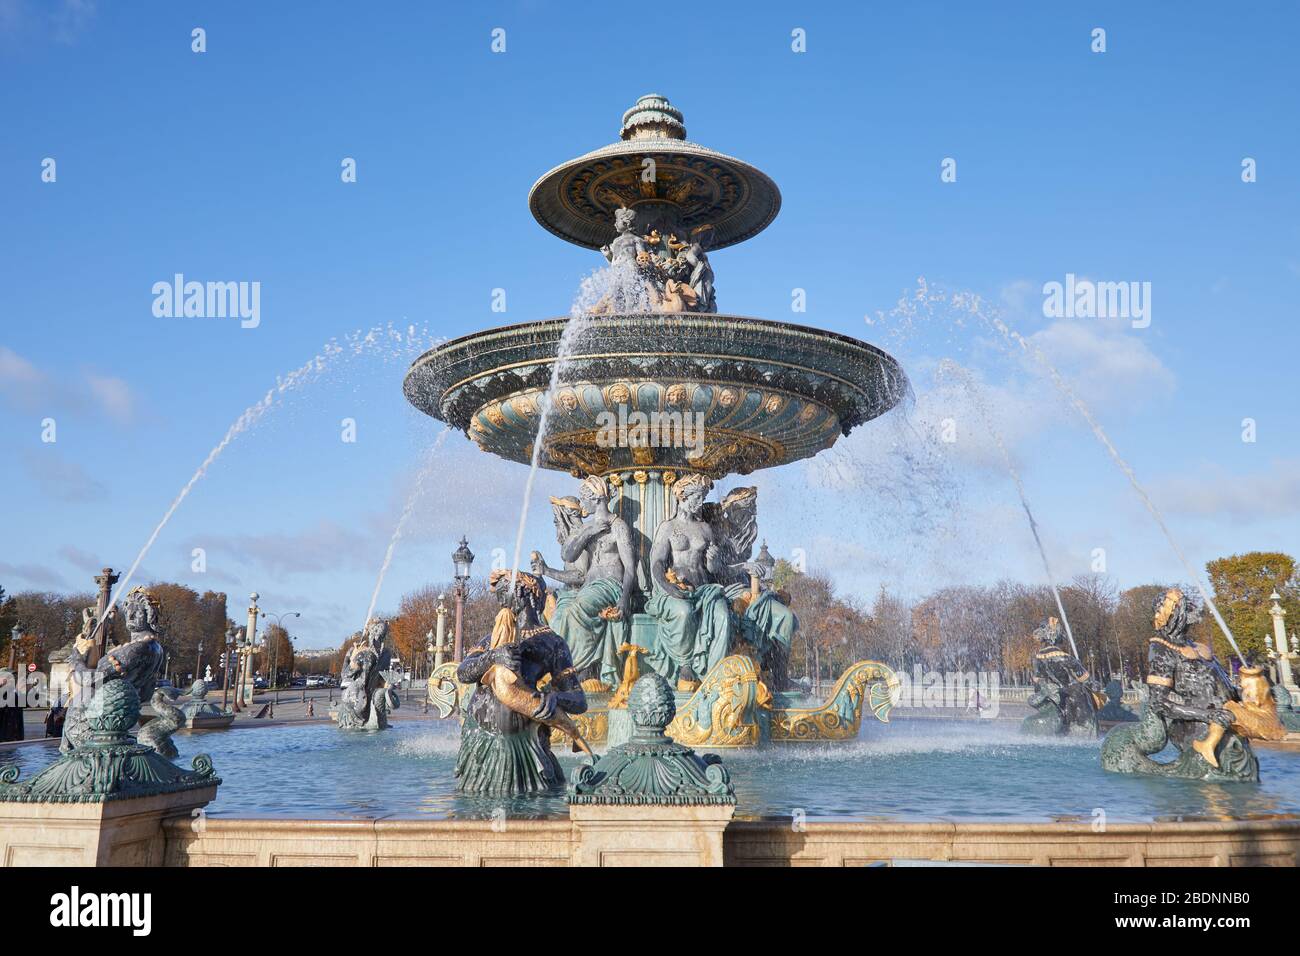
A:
{"points": [[1188, 694], [593, 614], [137, 661], [505, 739], [1066, 697]]}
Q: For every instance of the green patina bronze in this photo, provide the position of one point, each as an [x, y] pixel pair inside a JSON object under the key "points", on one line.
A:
{"points": [[650, 768], [109, 764], [651, 392]]}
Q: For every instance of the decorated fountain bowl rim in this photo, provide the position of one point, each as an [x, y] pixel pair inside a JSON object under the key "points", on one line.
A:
{"points": [[751, 216], [428, 381]]}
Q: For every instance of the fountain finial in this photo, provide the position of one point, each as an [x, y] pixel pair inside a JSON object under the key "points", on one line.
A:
{"points": [[653, 117]]}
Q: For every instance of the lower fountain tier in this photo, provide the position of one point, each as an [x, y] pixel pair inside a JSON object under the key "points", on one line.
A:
{"points": [[715, 394]]}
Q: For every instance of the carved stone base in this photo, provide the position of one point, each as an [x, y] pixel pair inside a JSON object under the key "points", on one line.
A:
{"points": [[109, 833], [648, 835]]}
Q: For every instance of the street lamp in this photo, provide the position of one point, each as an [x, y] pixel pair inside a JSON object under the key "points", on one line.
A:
{"points": [[462, 558], [234, 645], [275, 647], [198, 661]]}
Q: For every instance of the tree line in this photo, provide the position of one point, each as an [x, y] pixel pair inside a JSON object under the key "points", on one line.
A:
{"points": [[956, 628]]}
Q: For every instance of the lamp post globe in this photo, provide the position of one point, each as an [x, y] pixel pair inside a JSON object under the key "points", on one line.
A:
{"points": [[462, 560]]}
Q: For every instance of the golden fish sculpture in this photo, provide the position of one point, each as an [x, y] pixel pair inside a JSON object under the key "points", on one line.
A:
{"points": [[505, 686]]}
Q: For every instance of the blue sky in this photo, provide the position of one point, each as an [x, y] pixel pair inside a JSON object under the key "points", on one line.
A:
{"points": [[1119, 166]]}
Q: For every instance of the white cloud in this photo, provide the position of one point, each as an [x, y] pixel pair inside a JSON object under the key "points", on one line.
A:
{"points": [[27, 386], [61, 478], [1270, 493], [113, 396]]}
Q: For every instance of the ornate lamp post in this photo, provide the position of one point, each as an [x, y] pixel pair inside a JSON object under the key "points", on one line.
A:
{"points": [[462, 558], [250, 641], [198, 663], [1278, 614], [225, 677], [236, 660], [275, 647], [106, 579]]}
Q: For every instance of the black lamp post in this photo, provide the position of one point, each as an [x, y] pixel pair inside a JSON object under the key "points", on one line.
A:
{"points": [[275, 647], [462, 559]]}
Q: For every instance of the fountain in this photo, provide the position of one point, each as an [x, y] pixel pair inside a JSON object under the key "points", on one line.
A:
{"points": [[649, 397], [664, 633]]}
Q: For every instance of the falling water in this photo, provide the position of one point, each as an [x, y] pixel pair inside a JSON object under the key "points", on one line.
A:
{"points": [[421, 478], [355, 344], [615, 289], [1012, 336], [947, 365]]}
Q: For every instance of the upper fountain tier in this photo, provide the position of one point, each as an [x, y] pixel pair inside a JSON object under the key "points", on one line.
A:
{"points": [[651, 345], [672, 185]]}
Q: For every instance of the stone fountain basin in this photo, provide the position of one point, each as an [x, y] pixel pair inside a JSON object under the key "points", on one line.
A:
{"points": [[767, 393]]}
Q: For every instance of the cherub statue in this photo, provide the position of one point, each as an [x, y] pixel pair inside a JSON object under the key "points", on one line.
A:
{"points": [[1186, 705], [1066, 696], [137, 661], [367, 699], [600, 564], [505, 740], [701, 278]]}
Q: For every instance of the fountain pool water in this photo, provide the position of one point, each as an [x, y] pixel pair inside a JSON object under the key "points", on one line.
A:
{"points": [[973, 771]]}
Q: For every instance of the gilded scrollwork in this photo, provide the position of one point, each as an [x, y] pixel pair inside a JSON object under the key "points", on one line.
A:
{"points": [[841, 716], [726, 709]]}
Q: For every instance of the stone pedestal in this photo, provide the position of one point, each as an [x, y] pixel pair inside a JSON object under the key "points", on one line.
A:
{"points": [[105, 802], [126, 832], [614, 835], [650, 801]]}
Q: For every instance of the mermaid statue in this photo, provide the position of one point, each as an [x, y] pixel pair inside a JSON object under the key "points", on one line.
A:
{"points": [[1066, 697], [692, 610], [1187, 705], [706, 593], [525, 686], [592, 615], [137, 661]]}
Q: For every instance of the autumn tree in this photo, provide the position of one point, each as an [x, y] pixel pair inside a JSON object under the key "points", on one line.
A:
{"points": [[1242, 586]]}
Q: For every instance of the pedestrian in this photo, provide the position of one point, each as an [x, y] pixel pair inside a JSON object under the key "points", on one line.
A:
{"points": [[54, 720], [11, 707]]}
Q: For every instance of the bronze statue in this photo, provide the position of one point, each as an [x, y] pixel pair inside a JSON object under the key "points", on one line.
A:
{"points": [[1066, 697], [137, 661], [691, 608], [505, 746], [367, 697], [1188, 694], [592, 615]]}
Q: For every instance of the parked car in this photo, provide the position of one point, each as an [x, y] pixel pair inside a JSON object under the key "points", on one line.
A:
{"points": [[298, 682], [315, 681], [259, 683]]}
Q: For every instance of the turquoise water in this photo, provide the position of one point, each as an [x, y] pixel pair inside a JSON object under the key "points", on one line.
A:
{"points": [[910, 770]]}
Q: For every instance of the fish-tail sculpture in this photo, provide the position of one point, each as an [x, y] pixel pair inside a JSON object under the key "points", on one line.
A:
{"points": [[505, 686], [167, 719]]}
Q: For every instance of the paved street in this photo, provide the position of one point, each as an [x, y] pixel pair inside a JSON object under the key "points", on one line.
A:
{"points": [[292, 705]]}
